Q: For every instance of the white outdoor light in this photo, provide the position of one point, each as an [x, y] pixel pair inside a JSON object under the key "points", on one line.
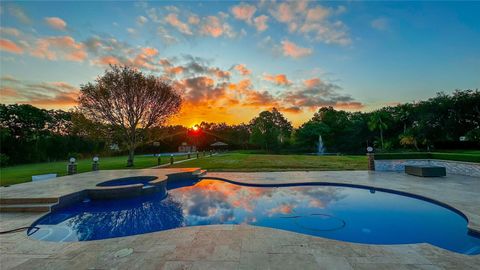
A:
{"points": [[369, 149], [72, 160], [95, 159]]}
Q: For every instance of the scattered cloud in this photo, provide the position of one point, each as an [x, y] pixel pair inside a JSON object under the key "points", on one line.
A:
{"points": [[141, 20], [293, 50], [313, 21], [317, 14], [315, 93], [63, 47], [380, 24], [131, 31], [56, 23], [19, 14], [242, 69], [10, 31], [182, 27], [10, 46], [193, 19], [260, 23], [42, 94], [244, 12], [215, 26], [279, 79]]}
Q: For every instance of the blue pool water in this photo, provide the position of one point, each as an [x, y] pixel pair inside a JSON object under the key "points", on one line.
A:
{"points": [[337, 212]]}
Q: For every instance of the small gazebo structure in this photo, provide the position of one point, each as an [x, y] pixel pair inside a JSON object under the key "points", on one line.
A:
{"points": [[219, 146]]}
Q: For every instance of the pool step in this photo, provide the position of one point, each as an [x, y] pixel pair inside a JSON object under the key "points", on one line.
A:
{"points": [[199, 173], [36, 208], [8, 201], [37, 205]]}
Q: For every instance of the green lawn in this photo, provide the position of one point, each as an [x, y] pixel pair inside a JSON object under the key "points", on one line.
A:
{"points": [[23, 173], [264, 162]]}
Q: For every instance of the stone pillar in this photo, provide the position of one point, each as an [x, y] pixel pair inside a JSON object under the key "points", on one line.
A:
{"points": [[95, 166], [171, 159], [72, 166], [371, 161]]}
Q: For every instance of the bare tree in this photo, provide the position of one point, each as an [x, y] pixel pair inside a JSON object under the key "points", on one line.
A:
{"points": [[126, 98]]}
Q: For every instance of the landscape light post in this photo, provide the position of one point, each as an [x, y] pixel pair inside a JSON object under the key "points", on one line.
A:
{"points": [[159, 159], [188, 155], [371, 158], [197, 155], [72, 166], [95, 164], [171, 159]]}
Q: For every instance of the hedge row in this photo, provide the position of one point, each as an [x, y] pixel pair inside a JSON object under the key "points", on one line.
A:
{"points": [[442, 156]]}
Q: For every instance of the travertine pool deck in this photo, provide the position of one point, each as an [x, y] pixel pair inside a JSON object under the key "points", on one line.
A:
{"points": [[240, 246]]}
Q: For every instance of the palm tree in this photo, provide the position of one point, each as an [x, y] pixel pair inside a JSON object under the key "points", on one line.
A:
{"points": [[378, 122]]}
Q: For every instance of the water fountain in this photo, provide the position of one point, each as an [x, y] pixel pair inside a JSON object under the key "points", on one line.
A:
{"points": [[321, 147]]}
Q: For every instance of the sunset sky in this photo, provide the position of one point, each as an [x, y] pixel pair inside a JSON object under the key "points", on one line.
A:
{"points": [[232, 60]]}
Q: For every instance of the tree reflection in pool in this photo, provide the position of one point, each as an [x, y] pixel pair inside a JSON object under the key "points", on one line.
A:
{"points": [[336, 212]]}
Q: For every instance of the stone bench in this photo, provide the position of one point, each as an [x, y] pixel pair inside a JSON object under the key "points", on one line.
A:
{"points": [[425, 171]]}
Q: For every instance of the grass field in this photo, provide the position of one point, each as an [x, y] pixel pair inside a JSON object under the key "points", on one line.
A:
{"points": [[23, 173], [264, 162]]}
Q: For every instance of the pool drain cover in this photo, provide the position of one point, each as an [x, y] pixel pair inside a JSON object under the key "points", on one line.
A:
{"points": [[123, 252], [320, 222]]}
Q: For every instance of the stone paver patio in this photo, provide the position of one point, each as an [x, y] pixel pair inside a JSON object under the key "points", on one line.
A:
{"points": [[240, 246]]}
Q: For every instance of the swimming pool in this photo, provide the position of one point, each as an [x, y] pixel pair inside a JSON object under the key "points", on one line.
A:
{"points": [[351, 214]]}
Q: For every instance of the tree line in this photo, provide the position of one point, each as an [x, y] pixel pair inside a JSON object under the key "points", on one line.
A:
{"points": [[30, 134], [124, 111]]}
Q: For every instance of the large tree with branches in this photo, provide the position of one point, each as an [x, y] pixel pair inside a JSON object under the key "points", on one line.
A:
{"points": [[127, 99]]}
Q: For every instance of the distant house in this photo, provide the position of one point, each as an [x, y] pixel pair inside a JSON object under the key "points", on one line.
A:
{"points": [[185, 148]]}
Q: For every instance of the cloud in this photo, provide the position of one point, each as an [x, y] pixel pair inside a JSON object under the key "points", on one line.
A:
{"points": [[10, 46], [141, 20], [19, 14], [64, 47], [244, 12], [10, 31], [313, 21], [193, 19], [150, 51], [260, 23], [328, 33], [242, 69], [380, 24], [293, 50], [279, 79], [283, 13], [107, 60], [202, 90], [173, 20], [315, 93], [42, 94], [56, 23], [260, 99], [317, 14], [193, 67], [131, 31], [215, 26]]}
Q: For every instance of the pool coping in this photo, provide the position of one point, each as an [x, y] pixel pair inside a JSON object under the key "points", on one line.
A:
{"points": [[245, 246]]}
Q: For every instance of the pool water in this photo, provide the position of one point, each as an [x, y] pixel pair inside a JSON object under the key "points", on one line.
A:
{"points": [[336, 212]]}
